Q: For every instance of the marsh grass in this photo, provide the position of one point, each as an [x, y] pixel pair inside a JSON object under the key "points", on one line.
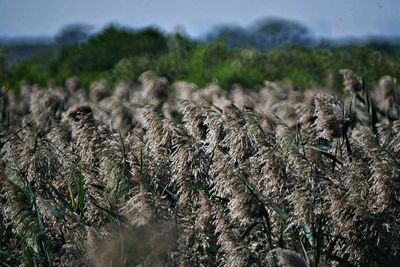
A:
{"points": [[184, 176]]}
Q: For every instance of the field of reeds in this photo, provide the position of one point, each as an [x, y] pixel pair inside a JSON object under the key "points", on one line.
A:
{"points": [[166, 174]]}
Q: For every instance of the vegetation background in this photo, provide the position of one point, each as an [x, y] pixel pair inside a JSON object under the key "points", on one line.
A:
{"points": [[255, 146], [270, 49]]}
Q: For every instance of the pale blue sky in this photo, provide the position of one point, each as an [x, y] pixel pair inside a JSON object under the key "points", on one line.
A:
{"points": [[327, 18]]}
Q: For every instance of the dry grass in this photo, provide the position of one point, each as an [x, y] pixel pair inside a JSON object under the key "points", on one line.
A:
{"points": [[179, 176]]}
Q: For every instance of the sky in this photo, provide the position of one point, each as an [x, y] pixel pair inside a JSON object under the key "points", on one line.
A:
{"points": [[324, 18]]}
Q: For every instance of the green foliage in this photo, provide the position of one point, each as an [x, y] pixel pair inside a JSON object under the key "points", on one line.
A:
{"points": [[2, 65], [30, 71], [205, 61], [129, 69], [123, 54], [102, 51], [35, 70]]}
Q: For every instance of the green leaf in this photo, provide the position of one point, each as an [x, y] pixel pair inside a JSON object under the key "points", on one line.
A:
{"points": [[305, 253], [31, 261], [53, 211], [287, 228], [270, 203], [61, 198], [44, 251], [81, 191], [72, 197], [322, 150], [248, 230], [374, 116], [308, 234]]}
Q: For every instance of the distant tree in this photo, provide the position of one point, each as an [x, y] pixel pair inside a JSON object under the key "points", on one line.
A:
{"points": [[2, 59], [3, 67], [234, 36], [73, 34], [179, 42], [105, 49], [265, 34], [271, 33]]}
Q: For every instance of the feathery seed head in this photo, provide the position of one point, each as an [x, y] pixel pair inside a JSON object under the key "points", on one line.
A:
{"points": [[351, 82]]}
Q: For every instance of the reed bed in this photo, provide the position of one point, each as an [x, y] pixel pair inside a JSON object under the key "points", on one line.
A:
{"points": [[175, 175]]}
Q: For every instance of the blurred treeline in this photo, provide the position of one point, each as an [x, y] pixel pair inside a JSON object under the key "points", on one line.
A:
{"points": [[271, 49]]}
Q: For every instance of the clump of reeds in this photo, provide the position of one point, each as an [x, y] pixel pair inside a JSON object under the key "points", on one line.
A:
{"points": [[329, 117], [351, 81], [188, 176]]}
